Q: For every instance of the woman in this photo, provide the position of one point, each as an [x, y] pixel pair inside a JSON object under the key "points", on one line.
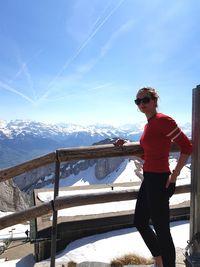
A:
{"points": [[159, 182]]}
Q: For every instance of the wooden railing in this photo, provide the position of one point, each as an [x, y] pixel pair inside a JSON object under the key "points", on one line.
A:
{"points": [[68, 154], [73, 201], [77, 153]]}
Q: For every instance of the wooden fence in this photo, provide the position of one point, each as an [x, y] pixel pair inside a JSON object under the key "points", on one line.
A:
{"points": [[77, 153], [73, 201], [69, 154]]}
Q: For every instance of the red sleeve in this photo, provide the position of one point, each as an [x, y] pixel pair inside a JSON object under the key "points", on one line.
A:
{"points": [[170, 129]]}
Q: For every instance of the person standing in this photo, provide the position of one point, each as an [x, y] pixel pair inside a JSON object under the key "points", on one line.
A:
{"points": [[159, 181]]}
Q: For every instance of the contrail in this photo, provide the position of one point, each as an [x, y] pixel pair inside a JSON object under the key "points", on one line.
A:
{"points": [[23, 69], [54, 99], [124, 28], [10, 89], [82, 46], [100, 17], [29, 80], [99, 87]]}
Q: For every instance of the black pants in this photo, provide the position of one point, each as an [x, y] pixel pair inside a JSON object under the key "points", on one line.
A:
{"points": [[153, 203]]}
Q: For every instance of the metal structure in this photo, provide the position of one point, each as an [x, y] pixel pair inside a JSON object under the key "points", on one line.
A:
{"points": [[193, 248], [55, 214]]}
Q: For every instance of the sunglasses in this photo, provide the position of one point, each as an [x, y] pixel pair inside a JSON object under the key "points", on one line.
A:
{"points": [[144, 100]]}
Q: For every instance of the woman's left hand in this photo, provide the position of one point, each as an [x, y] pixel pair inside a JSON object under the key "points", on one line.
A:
{"points": [[171, 189], [172, 178], [119, 142]]}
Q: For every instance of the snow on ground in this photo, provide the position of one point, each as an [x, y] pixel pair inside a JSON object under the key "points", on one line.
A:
{"points": [[13, 232], [113, 244], [117, 243], [27, 261]]}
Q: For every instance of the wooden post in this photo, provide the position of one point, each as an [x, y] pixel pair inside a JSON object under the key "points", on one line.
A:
{"points": [[194, 245], [55, 214]]}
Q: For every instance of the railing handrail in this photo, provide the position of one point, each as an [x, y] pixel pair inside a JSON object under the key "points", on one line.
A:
{"points": [[73, 201], [61, 155], [75, 153], [8, 173]]}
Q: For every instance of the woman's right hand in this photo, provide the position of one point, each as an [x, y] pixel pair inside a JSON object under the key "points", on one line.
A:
{"points": [[119, 142]]}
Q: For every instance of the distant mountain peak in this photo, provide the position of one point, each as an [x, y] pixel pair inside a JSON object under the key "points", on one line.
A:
{"points": [[22, 140]]}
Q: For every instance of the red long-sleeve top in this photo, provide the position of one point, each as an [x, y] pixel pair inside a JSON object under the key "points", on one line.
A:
{"points": [[156, 140]]}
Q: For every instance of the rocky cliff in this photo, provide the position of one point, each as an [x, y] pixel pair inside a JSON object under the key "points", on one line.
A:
{"points": [[44, 176], [11, 198], [13, 195]]}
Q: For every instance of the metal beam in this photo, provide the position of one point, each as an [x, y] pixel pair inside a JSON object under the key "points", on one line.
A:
{"points": [[193, 248], [55, 214]]}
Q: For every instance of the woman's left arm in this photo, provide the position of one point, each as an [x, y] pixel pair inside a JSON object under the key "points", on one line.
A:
{"points": [[180, 164], [170, 129]]}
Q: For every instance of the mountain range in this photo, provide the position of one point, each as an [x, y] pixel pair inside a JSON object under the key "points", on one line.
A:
{"points": [[24, 140]]}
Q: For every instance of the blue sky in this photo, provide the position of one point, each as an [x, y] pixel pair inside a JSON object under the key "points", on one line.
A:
{"points": [[82, 61]]}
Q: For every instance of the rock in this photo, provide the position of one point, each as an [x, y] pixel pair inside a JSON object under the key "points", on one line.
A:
{"points": [[106, 166], [43, 176], [28, 181], [11, 198]]}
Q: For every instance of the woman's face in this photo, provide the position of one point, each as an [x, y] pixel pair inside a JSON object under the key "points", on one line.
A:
{"points": [[145, 103]]}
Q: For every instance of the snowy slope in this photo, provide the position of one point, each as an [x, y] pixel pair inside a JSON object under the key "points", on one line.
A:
{"points": [[125, 173]]}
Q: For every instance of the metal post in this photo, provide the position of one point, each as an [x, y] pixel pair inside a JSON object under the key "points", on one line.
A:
{"points": [[55, 213], [193, 249]]}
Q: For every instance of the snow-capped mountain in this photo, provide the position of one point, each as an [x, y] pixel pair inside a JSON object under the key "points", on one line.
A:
{"points": [[23, 140], [20, 128]]}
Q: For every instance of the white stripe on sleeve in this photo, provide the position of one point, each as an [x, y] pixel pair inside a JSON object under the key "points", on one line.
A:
{"points": [[172, 132], [176, 136]]}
